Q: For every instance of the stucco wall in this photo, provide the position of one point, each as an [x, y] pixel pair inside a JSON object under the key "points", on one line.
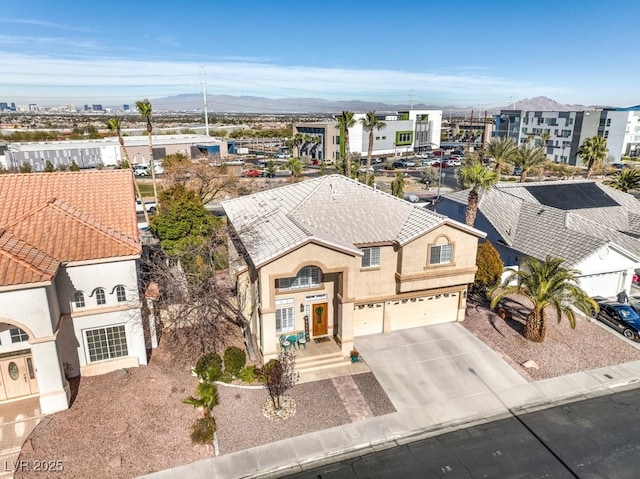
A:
{"points": [[29, 307]]}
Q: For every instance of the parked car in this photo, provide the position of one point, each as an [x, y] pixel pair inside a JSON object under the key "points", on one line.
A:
{"points": [[454, 162], [149, 205], [457, 152], [410, 163], [621, 317], [517, 171], [142, 170], [399, 164], [363, 169], [428, 162], [252, 173]]}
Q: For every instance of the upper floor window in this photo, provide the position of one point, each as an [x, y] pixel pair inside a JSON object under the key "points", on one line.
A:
{"points": [[18, 335], [100, 296], [371, 257], [307, 277], [121, 294], [441, 254], [78, 299]]}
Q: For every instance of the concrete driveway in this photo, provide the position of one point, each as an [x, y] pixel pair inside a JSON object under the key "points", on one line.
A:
{"points": [[439, 364], [17, 419]]}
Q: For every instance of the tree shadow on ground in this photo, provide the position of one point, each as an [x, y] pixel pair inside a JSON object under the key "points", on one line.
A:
{"points": [[517, 312]]}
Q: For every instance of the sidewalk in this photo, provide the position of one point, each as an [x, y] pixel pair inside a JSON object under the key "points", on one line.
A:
{"points": [[373, 434]]}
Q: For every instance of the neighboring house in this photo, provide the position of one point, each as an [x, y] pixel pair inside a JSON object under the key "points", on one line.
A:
{"points": [[69, 300], [341, 259], [594, 228]]}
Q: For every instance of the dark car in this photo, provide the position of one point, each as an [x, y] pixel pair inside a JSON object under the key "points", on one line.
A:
{"points": [[621, 317], [399, 164]]}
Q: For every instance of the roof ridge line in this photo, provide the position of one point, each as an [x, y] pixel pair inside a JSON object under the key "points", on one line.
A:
{"points": [[95, 225], [17, 259], [29, 213]]}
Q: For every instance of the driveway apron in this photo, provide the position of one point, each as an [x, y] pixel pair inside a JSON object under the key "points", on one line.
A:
{"points": [[431, 365]]}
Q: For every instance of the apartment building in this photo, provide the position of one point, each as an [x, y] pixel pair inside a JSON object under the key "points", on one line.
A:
{"points": [[561, 133]]}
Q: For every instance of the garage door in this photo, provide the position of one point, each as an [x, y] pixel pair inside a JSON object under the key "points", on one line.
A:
{"points": [[411, 313], [367, 319], [606, 284]]}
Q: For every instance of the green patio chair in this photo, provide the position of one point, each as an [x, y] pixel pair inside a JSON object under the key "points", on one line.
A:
{"points": [[302, 340], [284, 343]]}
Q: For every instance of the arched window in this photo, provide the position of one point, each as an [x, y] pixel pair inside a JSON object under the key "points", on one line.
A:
{"points": [[100, 296], [121, 294], [307, 277], [78, 299]]}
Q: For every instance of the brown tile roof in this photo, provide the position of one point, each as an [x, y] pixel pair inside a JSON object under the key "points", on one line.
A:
{"points": [[21, 263], [69, 216]]}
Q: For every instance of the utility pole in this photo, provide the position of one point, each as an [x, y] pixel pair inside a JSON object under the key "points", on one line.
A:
{"points": [[411, 101], [203, 82]]}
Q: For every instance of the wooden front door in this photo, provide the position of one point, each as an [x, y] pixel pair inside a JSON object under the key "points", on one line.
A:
{"points": [[15, 377], [319, 314]]}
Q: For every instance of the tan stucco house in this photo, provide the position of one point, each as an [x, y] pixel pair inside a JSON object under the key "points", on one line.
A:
{"points": [[337, 258]]}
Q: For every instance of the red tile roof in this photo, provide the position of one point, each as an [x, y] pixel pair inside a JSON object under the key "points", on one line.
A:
{"points": [[66, 216], [21, 263]]}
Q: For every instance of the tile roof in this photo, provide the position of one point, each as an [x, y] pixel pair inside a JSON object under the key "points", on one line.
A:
{"points": [[536, 229], [69, 216], [333, 210], [21, 263]]}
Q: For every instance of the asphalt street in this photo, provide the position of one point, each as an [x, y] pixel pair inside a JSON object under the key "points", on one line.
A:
{"points": [[595, 438]]}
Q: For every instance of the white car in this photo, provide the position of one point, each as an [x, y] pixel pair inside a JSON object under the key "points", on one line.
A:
{"points": [[363, 169], [454, 162], [428, 162]]}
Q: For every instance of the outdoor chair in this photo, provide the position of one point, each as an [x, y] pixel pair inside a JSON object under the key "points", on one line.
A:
{"points": [[284, 343], [302, 341]]}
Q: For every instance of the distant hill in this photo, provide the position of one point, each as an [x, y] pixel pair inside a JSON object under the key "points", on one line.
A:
{"points": [[253, 104]]}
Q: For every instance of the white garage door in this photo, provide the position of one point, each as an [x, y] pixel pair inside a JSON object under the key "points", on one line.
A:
{"points": [[606, 284], [367, 319], [411, 313]]}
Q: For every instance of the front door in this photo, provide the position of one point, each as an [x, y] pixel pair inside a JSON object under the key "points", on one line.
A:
{"points": [[319, 313], [16, 377]]}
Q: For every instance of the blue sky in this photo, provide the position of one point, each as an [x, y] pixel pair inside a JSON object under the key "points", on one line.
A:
{"points": [[463, 53]]}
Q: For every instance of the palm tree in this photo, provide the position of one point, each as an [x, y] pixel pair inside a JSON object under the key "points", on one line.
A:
{"points": [[144, 107], [544, 137], [593, 150], [546, 283], [528, 157], [478, 178], [503, 151], [371, 123], [345, 121], [295, 165], [113, 124], [625, 180]]}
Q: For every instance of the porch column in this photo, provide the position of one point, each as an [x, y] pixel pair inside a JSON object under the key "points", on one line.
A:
{"points": [[53, 387], [345, 326]]}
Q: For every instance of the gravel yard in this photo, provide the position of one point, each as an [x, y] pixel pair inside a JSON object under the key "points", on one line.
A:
{"points": [[564, 351]]}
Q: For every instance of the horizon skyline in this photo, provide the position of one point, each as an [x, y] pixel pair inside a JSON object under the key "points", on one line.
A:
{"points": [[56, 54]]}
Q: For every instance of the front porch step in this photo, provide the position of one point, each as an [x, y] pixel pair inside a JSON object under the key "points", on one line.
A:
{"points": [[322, 363], [318, 357]]}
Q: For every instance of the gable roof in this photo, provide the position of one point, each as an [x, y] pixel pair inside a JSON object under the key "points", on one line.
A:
{"points": [[332, 210], [66, 216], [566, 219], [21, 263]]}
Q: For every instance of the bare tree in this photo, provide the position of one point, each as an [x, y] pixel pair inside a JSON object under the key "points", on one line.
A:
{"points": [[280, 376]]}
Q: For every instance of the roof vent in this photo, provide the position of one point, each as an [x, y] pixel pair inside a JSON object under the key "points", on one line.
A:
{"points": [[334, 191]]}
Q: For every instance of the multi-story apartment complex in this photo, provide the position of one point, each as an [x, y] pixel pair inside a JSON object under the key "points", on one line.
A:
{"points": [[405, 132], [561, 133]]}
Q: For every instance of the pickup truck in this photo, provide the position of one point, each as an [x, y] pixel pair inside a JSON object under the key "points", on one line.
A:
{"points": [[150, 205]]}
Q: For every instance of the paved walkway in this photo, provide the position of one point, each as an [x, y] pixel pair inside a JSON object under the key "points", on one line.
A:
{"points": [[353, 400], [477, 387], [17, 419]]}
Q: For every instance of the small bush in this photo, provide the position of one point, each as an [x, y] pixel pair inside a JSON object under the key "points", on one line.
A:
{"points": [[248, 374], [225, 377], [202, 430], [210, 360], [490, 267], [234, 360]]}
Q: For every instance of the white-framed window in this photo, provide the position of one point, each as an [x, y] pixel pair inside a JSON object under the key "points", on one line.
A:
{"points": [[78, 299], [307, 277], [285, 319], [106, 343], [100, 296], [18, 335], [441, 254], [371, 257], [121, 294]]}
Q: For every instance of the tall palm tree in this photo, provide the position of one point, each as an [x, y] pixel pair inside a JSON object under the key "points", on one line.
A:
{"points": [[625, 180], [113, 124], [546, 284], [371, 123], [144, 107], [345, 121], [527, 157], [478, 178], [593, 150], [503, 151], [295, 165]]}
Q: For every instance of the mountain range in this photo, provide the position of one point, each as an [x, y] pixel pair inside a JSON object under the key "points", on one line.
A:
{"points": [[260, 105]]}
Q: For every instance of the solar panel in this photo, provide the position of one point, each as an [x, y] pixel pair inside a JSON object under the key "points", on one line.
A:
{"points": [[571, 196]]}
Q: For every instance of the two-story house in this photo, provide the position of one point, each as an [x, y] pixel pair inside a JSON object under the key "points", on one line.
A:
{"points": [[340, 259], [69, 302]]}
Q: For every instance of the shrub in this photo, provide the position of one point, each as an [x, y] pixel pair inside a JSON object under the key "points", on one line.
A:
{"points": [[490, 267], [207, 361], [202, 430], [248, 374], [234, 360]]}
